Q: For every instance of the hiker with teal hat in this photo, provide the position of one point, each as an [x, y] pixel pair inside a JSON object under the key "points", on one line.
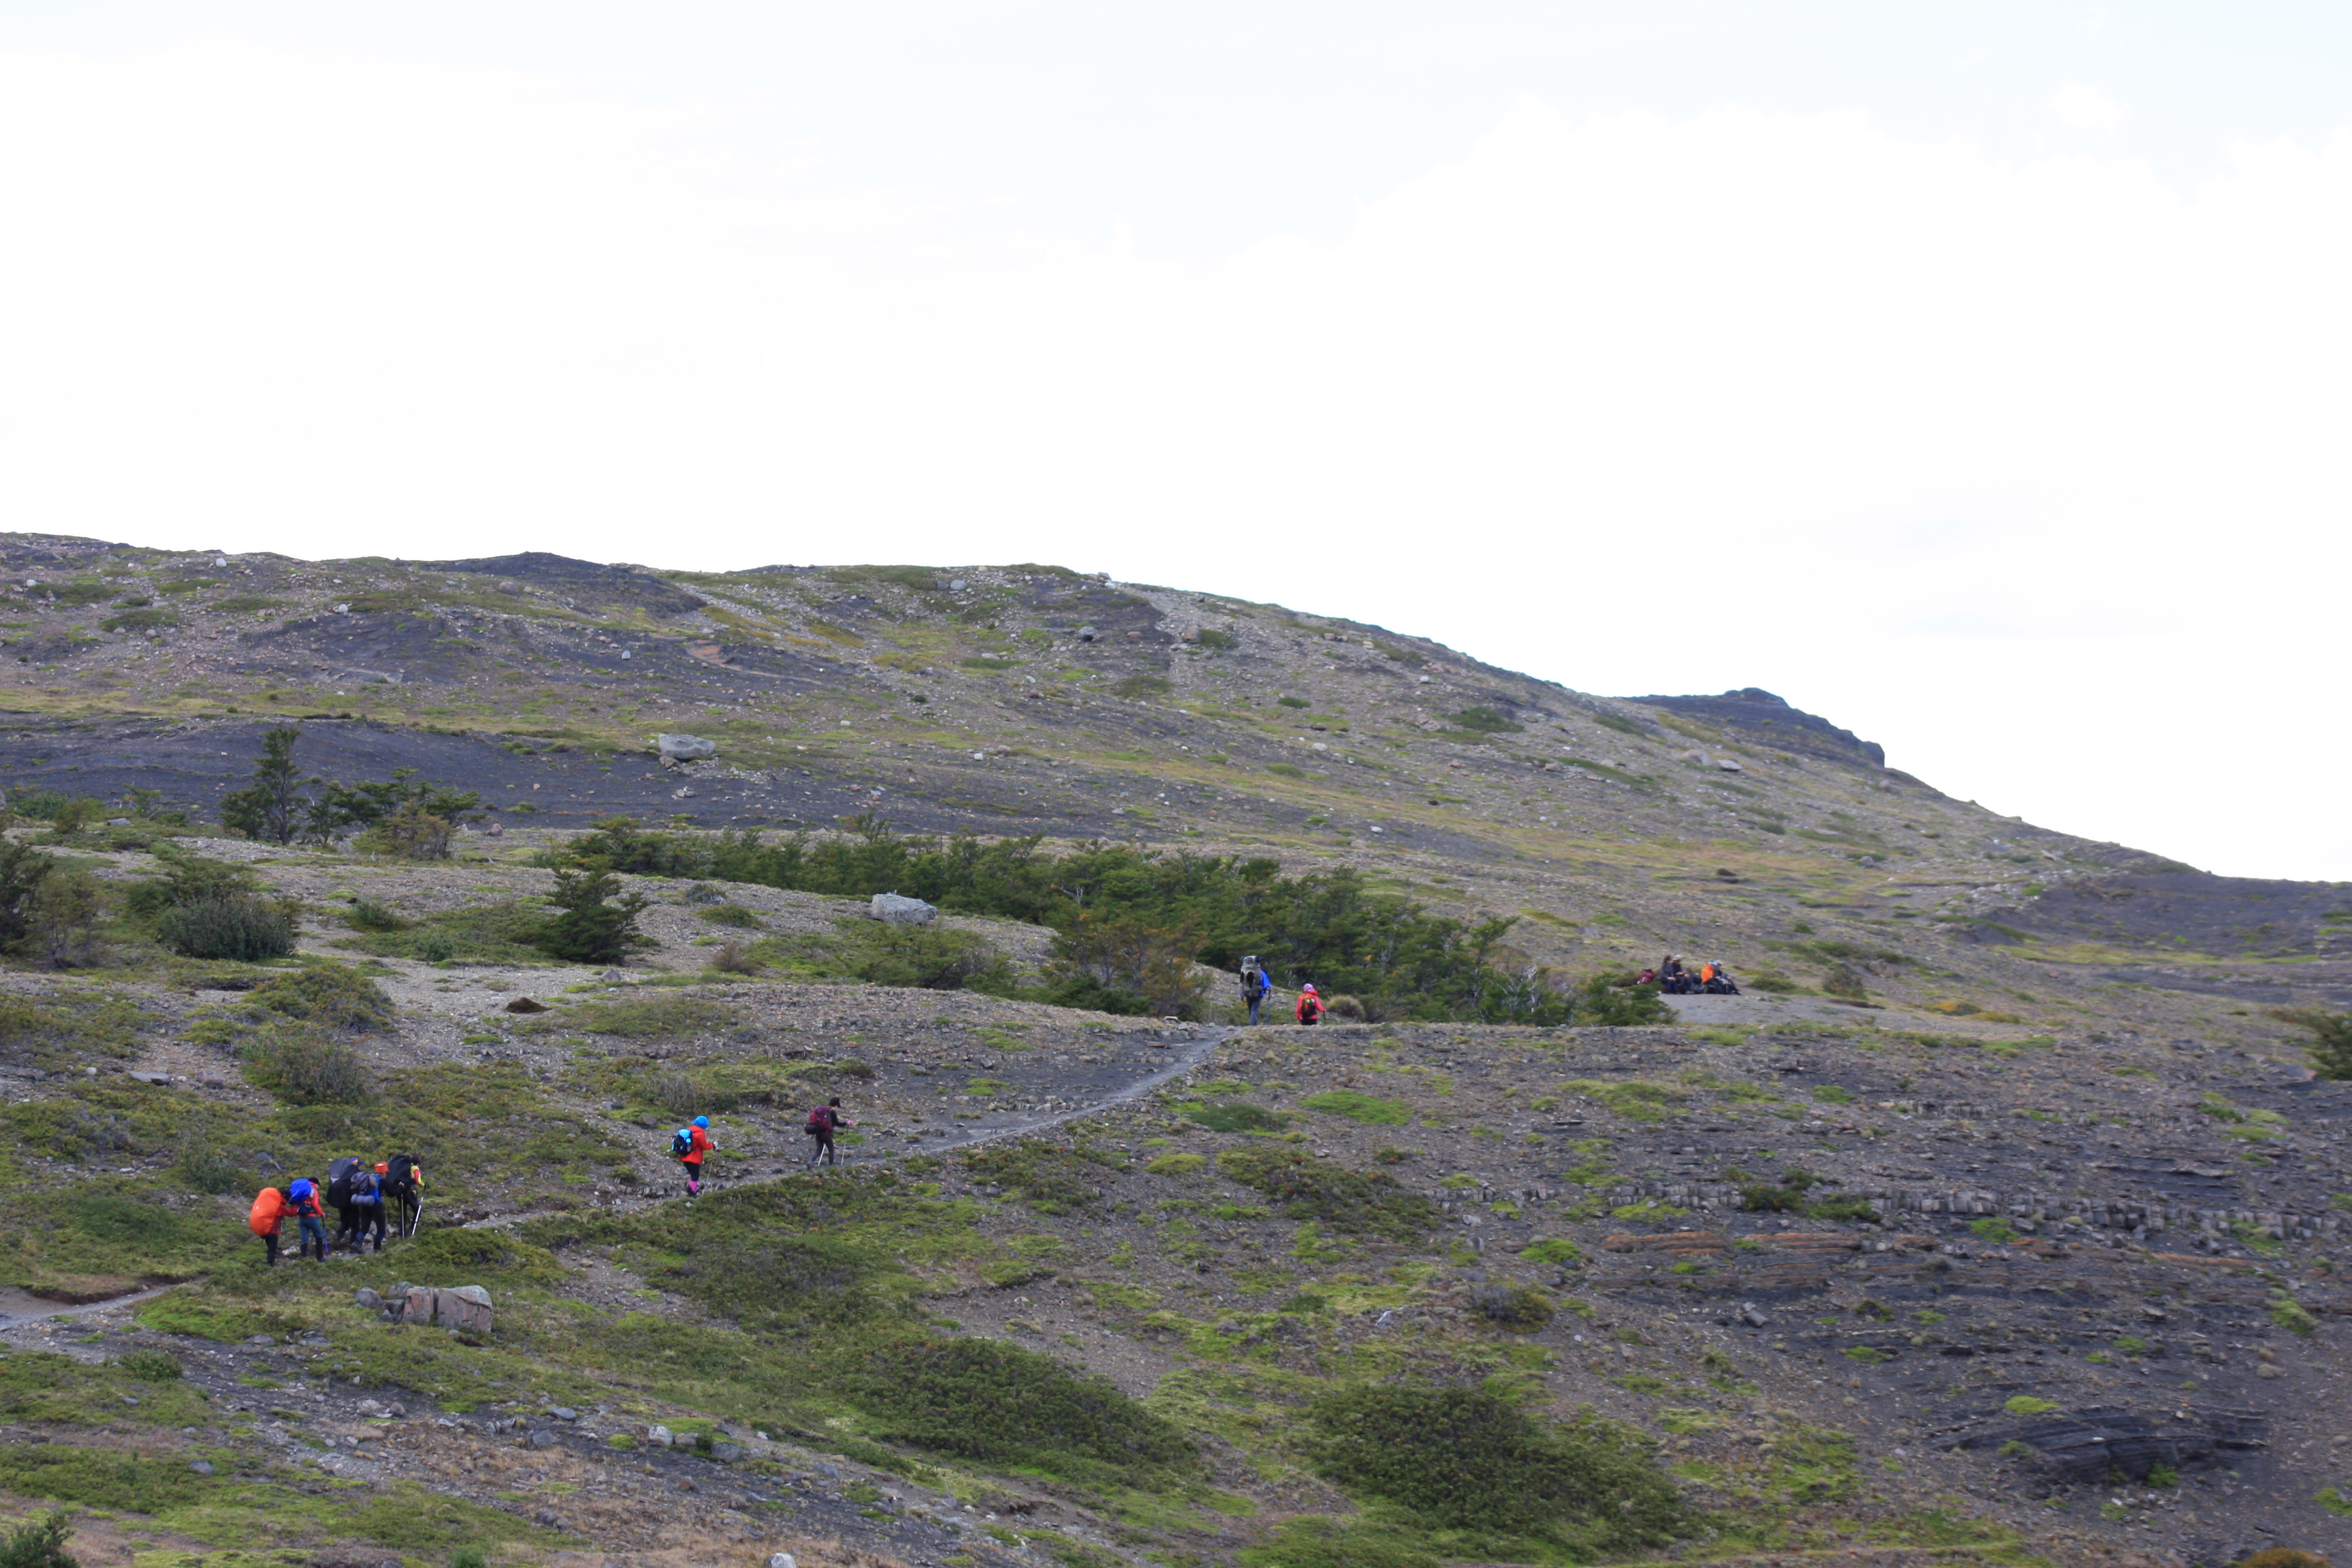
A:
{"points": [[688, 1145]]}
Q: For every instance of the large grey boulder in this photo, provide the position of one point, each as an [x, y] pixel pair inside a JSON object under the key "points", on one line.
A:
{"points": [[892, 910], [686, 748]]}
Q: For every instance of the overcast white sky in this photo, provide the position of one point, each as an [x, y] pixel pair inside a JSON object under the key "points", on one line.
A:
{"points": [[1975, 374]]}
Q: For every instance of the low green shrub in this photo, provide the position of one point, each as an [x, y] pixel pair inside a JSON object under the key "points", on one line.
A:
{"points": [[1238, 1117], [1518, 1308], [372, 915], [929, 958], [148, 1365], [1471, 1459], [1844, 980], [240, 928], [661, 1015], [1315, 1542], [1052, 1177], [308, 1069], [334, 996], [40, 1543], [1367, 1108], [997, 1404], [1486, 721], [96, 1477], [1321, 1190]]}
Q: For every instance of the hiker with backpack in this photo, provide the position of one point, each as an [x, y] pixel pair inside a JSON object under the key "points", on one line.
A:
{"points": [[338, 1196], [302, 1202], [1310, 1005], [688, 1145], [822, 1121], [400, 1180], [270, 1211], [1254, 987], [366, 1209]]}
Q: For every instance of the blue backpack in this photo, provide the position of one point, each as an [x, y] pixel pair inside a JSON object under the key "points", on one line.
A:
{"points": [[681, 1144]]}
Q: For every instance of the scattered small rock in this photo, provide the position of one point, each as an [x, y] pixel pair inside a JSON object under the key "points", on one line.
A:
{"points": [[202, 1467], [685, 748]]}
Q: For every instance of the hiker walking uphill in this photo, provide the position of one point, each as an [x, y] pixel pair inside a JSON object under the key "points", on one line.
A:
{"points": [[1254, 987], [822, 1121], [302, 1202], [366, 1209], [688, 1145], [270, 1211], [400, 1180], [349, 1221], [1310, 1005]]}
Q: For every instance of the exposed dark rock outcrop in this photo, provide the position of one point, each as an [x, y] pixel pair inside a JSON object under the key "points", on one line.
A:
{"points": [[1768, 720]]}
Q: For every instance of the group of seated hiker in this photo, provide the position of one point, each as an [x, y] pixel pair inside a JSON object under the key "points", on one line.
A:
{"points": [[1671, 976]]}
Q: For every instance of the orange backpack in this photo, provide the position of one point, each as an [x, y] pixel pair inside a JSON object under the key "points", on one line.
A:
{"points": [[269, 1208]]}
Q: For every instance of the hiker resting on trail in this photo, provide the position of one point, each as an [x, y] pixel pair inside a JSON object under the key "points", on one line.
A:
{"points": [[302, 1202], [688, 1145], [1255, 985], [1311, 1005], [822, 1121], [270, 1211]]}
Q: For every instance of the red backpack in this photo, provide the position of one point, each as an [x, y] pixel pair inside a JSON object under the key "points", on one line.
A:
{"points": [[821, 1119]]}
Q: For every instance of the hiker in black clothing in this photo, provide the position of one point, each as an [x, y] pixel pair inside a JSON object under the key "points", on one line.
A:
{"points": [[1672, 979], [822, 1121], [402, 1181], [341, 1173]]}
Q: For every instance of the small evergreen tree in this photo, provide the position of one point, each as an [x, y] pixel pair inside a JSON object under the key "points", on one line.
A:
{"points": [[22, 869], [273, 807], [40, 1543], [591, 929], [2331, 1044]]}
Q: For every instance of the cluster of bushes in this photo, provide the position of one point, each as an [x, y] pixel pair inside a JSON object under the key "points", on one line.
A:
{"points": [[399, 816], [209, 908], [1132, 921], [1794, 1194]]}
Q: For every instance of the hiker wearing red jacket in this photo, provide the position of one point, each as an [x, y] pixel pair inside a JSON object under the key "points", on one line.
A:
{"points": [[822, 1121], [302, 1202], [1311, 1005], [689, 1144]]}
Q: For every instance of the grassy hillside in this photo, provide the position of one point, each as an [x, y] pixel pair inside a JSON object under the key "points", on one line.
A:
{"points": [[2000, 1221]]}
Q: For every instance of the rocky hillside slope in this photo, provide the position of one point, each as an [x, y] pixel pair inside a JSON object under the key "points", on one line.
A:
{"points": [[2028, 1251]]}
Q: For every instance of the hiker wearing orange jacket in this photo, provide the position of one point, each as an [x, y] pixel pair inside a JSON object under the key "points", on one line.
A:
{"points": [[1310, 1005]]}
